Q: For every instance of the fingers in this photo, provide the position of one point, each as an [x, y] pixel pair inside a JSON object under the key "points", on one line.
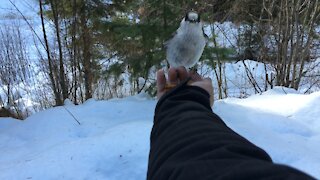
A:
{"points": [[182, 73], [161, 80], [173, 76], [195, 76], [177, 75]]}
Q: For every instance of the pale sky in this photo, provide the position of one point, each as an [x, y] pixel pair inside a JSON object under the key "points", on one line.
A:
{"points": [[10, 16], [28, 7]]}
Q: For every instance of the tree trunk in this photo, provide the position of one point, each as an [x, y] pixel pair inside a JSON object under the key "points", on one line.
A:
{"points": [[52, 79], [62, 80], [88, 76]]}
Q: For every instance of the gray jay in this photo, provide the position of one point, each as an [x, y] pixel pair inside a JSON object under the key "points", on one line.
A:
{"points": [[186, 46]]}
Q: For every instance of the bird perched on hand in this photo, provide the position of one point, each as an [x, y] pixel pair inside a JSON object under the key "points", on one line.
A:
{"points": [[186, 46]]}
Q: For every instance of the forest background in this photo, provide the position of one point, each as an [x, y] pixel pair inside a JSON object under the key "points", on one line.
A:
{"points": [[102, 49]]}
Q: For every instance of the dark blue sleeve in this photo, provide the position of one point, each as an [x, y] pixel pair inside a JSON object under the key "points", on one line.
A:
{"points": [[189, 141]]}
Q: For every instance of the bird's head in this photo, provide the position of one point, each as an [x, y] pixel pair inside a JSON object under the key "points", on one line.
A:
{"points": [[192, 17], [191, 23]]}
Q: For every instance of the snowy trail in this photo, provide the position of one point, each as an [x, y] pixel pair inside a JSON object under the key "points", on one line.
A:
{"points": [[112, 141]]}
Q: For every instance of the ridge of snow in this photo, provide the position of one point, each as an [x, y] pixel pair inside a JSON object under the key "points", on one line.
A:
{"points": [[112, 141]]}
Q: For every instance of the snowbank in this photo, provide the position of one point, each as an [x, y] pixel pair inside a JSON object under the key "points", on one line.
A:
{"points": [[112, 141]]}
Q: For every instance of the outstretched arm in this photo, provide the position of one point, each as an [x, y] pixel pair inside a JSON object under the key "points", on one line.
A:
{"points": [[189, 141]]}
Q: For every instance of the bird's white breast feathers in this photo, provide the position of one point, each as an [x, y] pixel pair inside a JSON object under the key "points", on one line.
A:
{"points": [[186, 47]]}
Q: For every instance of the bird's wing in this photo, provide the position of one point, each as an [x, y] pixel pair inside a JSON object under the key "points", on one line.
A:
{"points": [[205, 35], [165, 44]]}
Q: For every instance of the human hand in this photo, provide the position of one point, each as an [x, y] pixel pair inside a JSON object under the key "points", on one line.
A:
{"points": [[178, 75], [175, 76], [204, 83]]}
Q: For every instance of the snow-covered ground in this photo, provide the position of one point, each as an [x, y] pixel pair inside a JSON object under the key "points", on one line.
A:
{"points": [[112, 141]]}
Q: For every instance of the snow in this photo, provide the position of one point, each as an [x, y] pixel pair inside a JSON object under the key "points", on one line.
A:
{"points": [[112, 140], [280, 121], [237, 79]]}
